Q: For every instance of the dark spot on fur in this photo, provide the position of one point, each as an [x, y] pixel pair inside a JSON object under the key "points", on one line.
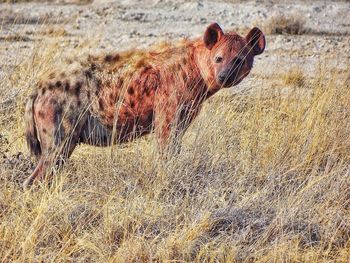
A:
{"points": [[147, 91], [62, 75], [147, 68], [44, 130], [71, 107], [132, 104], [101, 104], [79, 103], [76, 71], [77, 88], [66, 85], [93, 66], [64, 102], [108, 58], [112, 58], [59, 84], [50, 86], [88, 94], [88, 73], [111, 96], [41, 114], [43, 90], [131, 90]]}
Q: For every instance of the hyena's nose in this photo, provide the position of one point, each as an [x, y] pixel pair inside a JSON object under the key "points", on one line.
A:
{"points": [[222, 78]]}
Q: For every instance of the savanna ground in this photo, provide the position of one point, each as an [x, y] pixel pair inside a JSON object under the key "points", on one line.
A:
{"points": [[264, 172]]}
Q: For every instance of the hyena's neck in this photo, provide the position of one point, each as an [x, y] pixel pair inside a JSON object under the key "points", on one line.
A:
{"points": [[193, 72], [201, 58]]}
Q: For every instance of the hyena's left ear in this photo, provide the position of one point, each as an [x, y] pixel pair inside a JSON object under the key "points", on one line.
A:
{"points": [[212, 35], [256, 41]]}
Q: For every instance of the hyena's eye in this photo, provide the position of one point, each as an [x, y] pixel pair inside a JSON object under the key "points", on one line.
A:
{"points": [[218, 59]]}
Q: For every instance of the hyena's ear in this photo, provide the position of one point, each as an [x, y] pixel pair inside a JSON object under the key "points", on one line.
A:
{"points": [[256, 41], [212, 35]]}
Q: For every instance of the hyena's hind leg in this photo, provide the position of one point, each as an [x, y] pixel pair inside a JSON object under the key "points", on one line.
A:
{"points": [[58, 126]]}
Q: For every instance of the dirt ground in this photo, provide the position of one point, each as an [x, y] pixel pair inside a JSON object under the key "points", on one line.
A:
{"points": [[136, 24]]}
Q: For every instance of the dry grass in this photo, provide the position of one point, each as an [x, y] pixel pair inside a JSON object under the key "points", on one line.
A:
{"points": [[258, 179], [294, 77], [47, 1], [54, 31], [14, 37], [292, 24]]}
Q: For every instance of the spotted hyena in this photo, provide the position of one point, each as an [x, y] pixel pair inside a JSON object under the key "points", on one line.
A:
{"points": [[118, 97]]}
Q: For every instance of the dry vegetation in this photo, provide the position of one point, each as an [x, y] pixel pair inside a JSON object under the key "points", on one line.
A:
{"points": [[285, 24], [295, 77], [48, 1], [259, 179]]}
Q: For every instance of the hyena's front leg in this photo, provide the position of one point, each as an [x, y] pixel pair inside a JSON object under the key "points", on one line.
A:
{"points": [[58, 119], [171, 122]]}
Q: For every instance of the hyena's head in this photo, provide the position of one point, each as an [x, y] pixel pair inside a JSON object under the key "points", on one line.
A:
{"points": [[230, 55]]}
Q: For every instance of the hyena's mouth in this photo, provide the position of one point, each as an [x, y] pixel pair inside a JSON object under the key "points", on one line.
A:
{"points": [[231, 80], [234, 79]]}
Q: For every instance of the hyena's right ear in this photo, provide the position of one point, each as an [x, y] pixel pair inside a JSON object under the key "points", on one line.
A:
{"points": [[212, 35], [256, 41]]}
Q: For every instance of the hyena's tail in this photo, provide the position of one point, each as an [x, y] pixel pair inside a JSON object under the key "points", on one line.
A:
{"points": [[31, 131]]}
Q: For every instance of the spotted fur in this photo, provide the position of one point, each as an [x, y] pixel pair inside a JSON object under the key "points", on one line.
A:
{"points": [[118, 97]]}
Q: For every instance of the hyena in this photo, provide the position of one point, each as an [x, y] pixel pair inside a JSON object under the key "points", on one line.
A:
{"points": [[117, 97]]}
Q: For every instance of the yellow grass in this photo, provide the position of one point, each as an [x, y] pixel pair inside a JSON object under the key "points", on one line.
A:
{"points": [[285, 24], [58, 1], [259, 178], [295, 77]]}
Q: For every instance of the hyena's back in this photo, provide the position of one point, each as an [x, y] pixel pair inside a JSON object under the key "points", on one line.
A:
{"points": [[86, 103]]}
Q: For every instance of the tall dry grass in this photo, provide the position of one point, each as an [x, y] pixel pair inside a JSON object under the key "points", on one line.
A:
{"points": [[259, 178]]}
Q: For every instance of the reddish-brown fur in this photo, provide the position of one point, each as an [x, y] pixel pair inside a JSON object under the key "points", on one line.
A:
{"points": [[118, 97]]}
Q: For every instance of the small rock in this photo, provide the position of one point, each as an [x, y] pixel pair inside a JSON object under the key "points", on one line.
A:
{"points": [[203, 20]]}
